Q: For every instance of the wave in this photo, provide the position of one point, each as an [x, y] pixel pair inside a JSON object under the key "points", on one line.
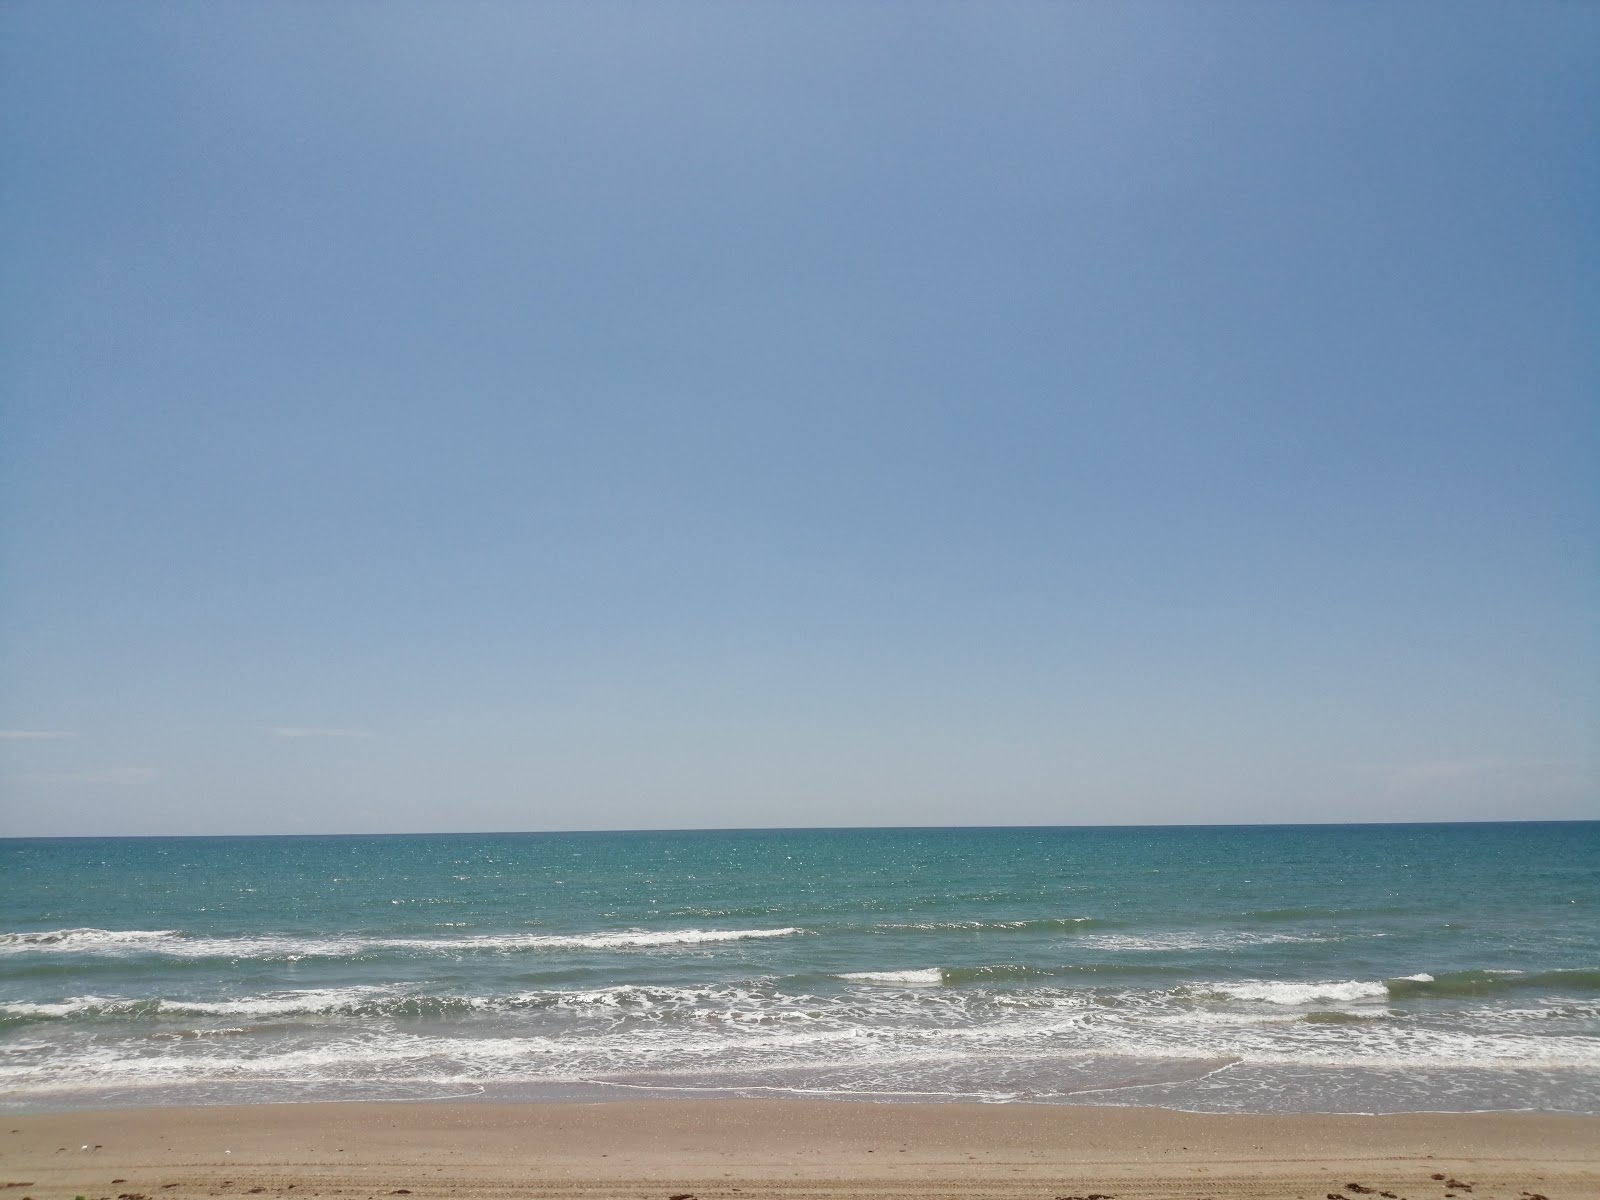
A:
{"points": [[394, 1000], [1123, 942], [1033, 925], [77, 1006], [172, 944], [928, 977], [962, 987], [1491, 983], [80, 940], [1282, 992], [356, 1001], [769, 1030], [1420, 986], [1006, 973]]}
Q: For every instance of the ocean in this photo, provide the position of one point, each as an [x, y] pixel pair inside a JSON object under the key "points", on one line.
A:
{"points": [[1343, 968]]}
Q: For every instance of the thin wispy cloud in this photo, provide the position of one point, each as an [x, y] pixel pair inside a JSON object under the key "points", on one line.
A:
{"points": [[294, 731], [114, 776], [34, 735]]}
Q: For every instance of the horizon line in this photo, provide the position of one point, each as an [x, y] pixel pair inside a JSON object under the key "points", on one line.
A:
{"points": [[40, 837]]}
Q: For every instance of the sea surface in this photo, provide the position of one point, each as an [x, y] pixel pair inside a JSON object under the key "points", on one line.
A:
{"points": [[1376, 968]]}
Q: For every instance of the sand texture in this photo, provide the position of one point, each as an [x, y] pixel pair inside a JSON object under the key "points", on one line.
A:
{"points": [[795, 1150]]}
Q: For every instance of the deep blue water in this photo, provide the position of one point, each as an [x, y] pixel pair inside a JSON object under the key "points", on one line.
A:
{"points": [[1262, 968]]}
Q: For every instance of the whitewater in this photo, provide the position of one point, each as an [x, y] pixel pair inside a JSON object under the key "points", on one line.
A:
{"points": [[1259, 969]]}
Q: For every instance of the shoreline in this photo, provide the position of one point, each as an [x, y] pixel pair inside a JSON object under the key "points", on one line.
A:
{"points": [[735, 1149], [591, 1095]]}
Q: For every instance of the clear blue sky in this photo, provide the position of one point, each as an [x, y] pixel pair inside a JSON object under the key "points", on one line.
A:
{"points": [[606, 415]]}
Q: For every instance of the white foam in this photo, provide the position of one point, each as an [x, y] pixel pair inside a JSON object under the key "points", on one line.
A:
{"points": [[1040, 924], [631, 939], [308, 1002], [70, 1007], [81, 940], [1191, 941], [763, 1031], [174, 945], [931, 976], [1272, 992], [713, 1047]]}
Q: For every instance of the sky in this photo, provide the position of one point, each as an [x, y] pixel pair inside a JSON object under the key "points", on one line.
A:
{"points": [[516, 416]]}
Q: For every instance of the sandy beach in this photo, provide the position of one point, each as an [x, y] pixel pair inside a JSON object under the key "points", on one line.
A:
{"points": [[718, 1150]]}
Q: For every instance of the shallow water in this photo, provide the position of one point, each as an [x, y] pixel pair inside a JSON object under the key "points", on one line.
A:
{"points": [[1284, 968]]}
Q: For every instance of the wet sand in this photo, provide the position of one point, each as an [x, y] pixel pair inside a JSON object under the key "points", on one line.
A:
{"points": [[801, 1150]]}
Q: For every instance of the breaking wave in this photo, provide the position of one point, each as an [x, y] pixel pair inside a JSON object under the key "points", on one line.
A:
{"points": [[1181, 941], [858, 1026], [930, 977], [1273, 992], [83, 940], [1036, 925], [170, 943]]}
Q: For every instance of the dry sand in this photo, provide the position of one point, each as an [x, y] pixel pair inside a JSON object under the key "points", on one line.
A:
{"points": [[798, 1150]]}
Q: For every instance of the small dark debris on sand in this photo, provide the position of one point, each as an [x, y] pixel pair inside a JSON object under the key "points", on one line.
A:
{"points": [[401, 1192], [1359, 1187], [681, 1196]]}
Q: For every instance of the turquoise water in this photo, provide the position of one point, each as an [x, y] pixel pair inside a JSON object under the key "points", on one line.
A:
{"points": [[1264, 968]]}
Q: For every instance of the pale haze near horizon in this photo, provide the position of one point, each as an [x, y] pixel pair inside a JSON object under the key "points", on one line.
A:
{"points": [[583, 416]]}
